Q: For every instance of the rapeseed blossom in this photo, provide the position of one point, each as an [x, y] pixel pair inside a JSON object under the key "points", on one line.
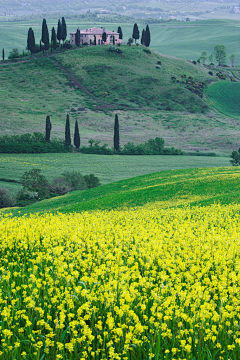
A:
{"points": [[147, 283]]}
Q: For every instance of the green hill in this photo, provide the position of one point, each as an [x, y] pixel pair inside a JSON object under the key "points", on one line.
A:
{"points": [[225, 97], [168, 188]]}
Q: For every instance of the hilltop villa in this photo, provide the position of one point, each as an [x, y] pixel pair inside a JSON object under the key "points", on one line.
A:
{"points": [[89, 35]]}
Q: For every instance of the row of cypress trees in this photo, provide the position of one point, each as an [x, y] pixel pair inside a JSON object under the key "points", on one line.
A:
{"points": [[146, 37], [76, 139], [60, 35]]}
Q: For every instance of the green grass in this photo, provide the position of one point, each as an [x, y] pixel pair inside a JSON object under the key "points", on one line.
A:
{"points": [[224, 96], [169, 188], [107, 168]]}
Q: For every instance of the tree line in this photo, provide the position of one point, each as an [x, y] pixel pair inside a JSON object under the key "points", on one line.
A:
{"points": [[219, 54], [145, 38]]}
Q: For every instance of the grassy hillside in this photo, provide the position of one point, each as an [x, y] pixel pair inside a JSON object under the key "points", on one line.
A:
{"points": [[225, 97], [169, 188], [107, 168]]}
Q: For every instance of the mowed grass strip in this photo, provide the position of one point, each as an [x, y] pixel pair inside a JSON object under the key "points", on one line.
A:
{"points": [[169, 188], [224, 96]]}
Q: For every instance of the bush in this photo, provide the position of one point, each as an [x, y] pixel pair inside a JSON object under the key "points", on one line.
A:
{"points": [[14, 54], [95, 148], [60, 186], [26, 197], [210, 73], [235, 158], [75, 180], [6, 198], [91, 181], [35, 182], [147, 51]]}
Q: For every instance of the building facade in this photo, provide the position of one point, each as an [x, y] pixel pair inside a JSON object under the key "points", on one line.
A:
{"points": [[89, 36]]}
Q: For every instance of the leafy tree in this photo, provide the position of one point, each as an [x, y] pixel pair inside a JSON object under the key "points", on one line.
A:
{"points": [[31, 41], [54, 39], [60, 186], [147, 36], [64, 30], [91, 181], [104, 37], [143, 37], [67, 132], [59, 31], [235, 158], [120, 32], [45, 35], [135, 34], [210, 59], [76, 136], [116, 134], [3, 54], [232, 59], [14, 54], [48, 128], [77, 38], [130, 41], [220, 54], [203, 57], [34, 181], [6, 199], [75, 180]]}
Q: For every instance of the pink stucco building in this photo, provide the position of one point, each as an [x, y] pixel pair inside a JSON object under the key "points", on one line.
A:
{"points": [[89, 35]]}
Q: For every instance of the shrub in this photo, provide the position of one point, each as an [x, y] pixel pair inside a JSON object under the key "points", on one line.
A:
{"points": [[34, 181], [75, 180], [147, 51], [91, 181], [6, 198], [26, 197], [14, 54], [60, 186], [210, 73]]}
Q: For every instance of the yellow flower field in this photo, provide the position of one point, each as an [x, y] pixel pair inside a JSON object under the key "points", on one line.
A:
{"points": [[147, 283]]}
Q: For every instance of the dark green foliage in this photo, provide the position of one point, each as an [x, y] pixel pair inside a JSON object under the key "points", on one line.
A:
{"points": [[31, 41], [30, 144], [113, 40], [104, 37], [91, 181], [220, 54], [54, 39], [67, 132], [94, 148], [235, 158], [75, 180], [130, 41], [60, 186], [151, 147], [45, 35], [77, 38], [116, 134], [119, 30], [76, 136], [147, 38], [34, 181], [64, 30], [135, 34], [3, 54], [143, 37], [59, 31], [48, 128], [6, 199], [14, 54]]}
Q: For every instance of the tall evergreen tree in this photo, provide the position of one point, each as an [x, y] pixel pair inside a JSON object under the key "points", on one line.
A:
{"points": [[45, 35], [64, 30], [120, 32], [31, 41], [77, 38], [54, 39], [3, 54], [48, 128], [116, 134], [143, 37], [67, 132], [104, 37], [76, 136], [59, 31], [135, 34], [147, 36]]}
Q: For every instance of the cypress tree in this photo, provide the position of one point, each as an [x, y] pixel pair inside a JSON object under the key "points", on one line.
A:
{"points": [[64, 30], [120, 32], [59, 31], [143, 37], [48, 128], [104, 37], [76, 136], [135, 34], [67, 132], [54, 39], [31, 41], [3, 54], [147, 37], [116, 134], [77, 38], [45, 35]]}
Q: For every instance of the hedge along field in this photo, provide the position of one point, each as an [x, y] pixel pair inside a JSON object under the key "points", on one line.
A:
{"points": [[224, 96], [136, 284]]}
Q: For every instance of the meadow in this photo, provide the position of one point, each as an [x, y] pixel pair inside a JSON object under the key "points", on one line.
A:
{"points": [[107, 168], [146, 283]]}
